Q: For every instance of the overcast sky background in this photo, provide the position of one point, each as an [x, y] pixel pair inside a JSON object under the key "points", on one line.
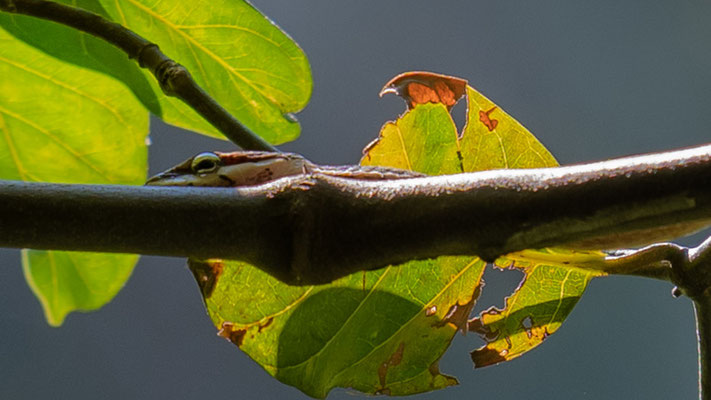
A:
{"points": [[592, 80]]}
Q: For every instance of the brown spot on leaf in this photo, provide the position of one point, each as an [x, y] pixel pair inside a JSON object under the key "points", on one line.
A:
{"points": [[206, 274], [426, 87], [265, 324], [393, 360], [485, 356], [458, 314], [489, 123], [478, 327], [430, 311], [232, 334]]}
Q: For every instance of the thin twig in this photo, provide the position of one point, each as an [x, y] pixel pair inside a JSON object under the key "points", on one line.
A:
{"points": [[174, 79], [702, 309]]}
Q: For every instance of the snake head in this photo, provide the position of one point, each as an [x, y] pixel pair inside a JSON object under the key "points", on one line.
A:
{"points": [[240, 168]]}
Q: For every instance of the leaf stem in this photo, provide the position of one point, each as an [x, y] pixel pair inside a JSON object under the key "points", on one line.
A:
{"points": [[702, 310], [174, 79]]}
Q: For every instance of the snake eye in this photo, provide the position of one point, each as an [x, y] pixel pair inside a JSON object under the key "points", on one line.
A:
{"points": [[205, 162]]}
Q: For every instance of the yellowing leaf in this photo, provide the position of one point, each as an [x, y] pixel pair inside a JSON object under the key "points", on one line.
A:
{"points": [[423, 140], [548, 293], [382, 331], [379, 331], [62, 123], [238, 56], [492, 139]]}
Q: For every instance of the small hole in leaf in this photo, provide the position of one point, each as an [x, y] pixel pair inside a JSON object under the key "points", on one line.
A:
{"points": [[499, 283], [459, 115]]}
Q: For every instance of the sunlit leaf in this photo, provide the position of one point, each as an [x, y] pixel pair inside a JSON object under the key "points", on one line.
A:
{"points": [[84, 50], [62, 123], [492, 139], [423, 140], [384, 331], [237, 55], [380, 331], [69, 281], [537, 308]]}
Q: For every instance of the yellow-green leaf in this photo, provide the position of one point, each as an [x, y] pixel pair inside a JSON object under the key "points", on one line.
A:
{"points": [[69, 281], [548, 293], [62, 123], [237, 55], [383, 331], [380, 331], [84, 50], [423, 140], [492, 139]]}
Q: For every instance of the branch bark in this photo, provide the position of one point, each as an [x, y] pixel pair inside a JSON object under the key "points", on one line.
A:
{"points": [[174, 79], [314, 228]]}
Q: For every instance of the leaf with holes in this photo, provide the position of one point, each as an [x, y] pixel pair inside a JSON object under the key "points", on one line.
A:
{"points": [[237, 55], [100, 138], [378, 331], [537, 308], [492, 139]]}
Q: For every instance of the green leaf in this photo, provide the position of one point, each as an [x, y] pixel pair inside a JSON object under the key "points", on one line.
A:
{"points": [[424, 140], [62, 123], [378, 332], [492, 139], [237, 55], [68, 281], [384, 331], [84, 50], [547, 295]]}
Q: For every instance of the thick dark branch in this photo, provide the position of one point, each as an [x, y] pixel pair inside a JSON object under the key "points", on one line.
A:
{"points": [[174, 79], [315, 228]]}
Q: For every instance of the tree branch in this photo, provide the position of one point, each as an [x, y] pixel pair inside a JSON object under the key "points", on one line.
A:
{"points": [[174, 79], [314, 228]]}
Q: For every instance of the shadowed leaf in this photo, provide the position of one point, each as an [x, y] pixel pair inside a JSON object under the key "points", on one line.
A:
{"points": [[377, 332]]}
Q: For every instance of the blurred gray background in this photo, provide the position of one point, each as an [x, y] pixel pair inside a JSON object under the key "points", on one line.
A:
{"points": [[592, 80]]}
